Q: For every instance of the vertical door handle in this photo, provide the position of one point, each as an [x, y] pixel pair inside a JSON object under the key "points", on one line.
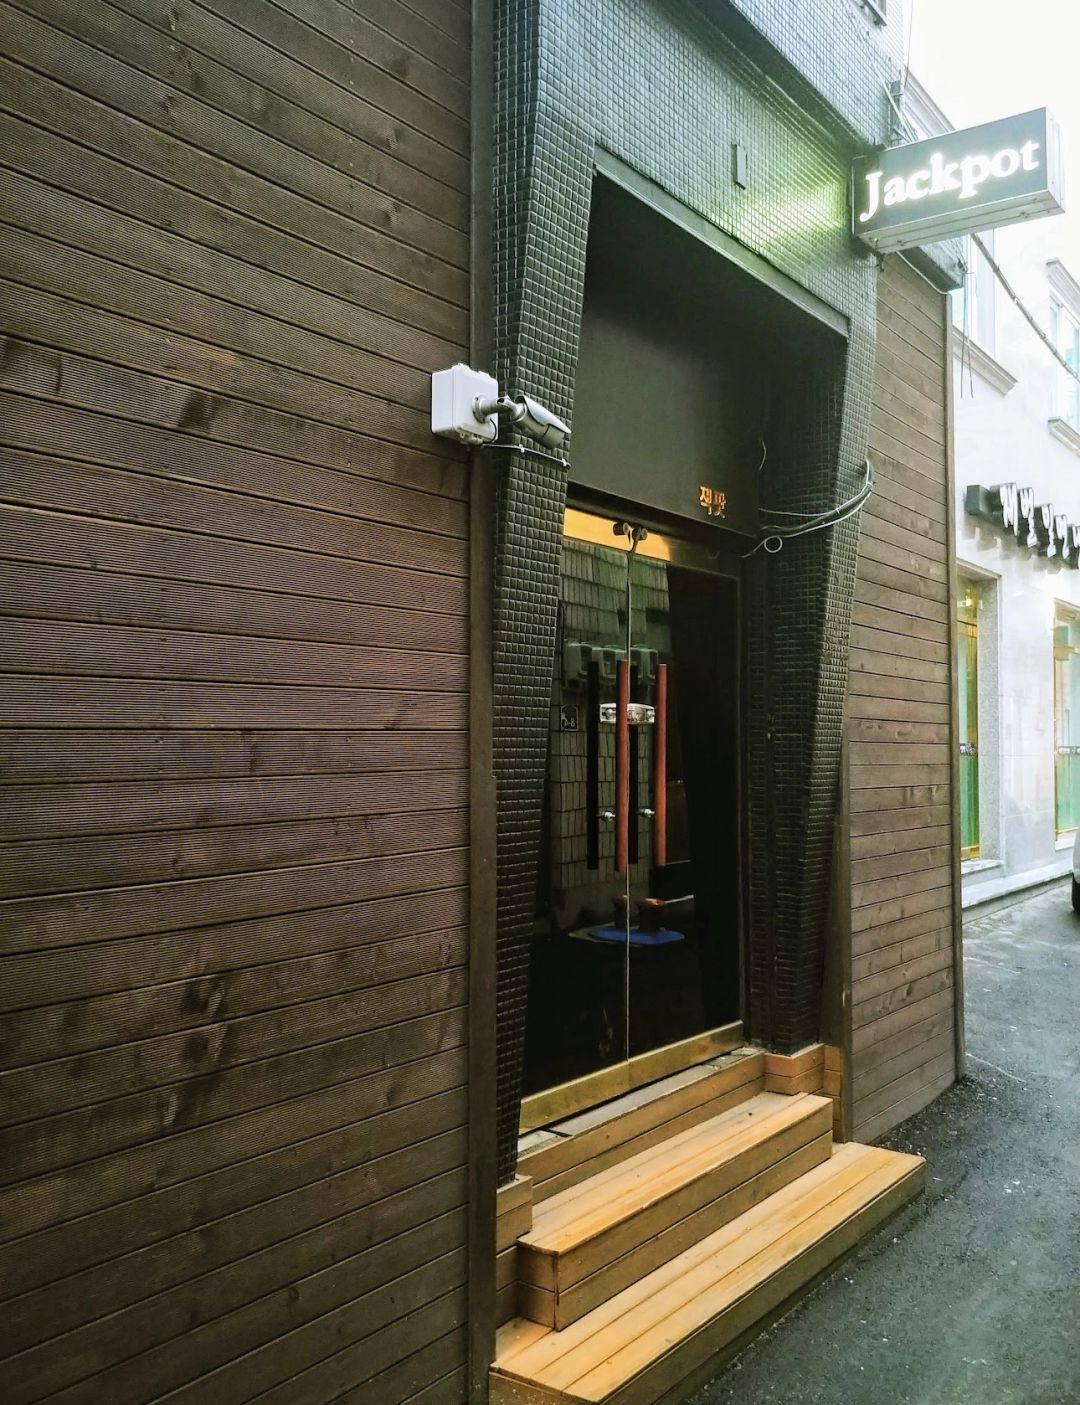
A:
{"points": [[622, 765], [660, 769]]}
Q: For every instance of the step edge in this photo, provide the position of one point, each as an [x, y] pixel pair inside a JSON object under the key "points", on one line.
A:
{"points": [[805, 1113], [611, 1268], [738, 1063], [686, 1135], [902, 1191], [563, 1161], [762, 1213], [735, 1059], [561, 1271], [910, 1178]]}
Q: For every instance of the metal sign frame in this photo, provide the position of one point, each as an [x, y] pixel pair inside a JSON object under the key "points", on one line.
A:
{"points": [[975, 179]]}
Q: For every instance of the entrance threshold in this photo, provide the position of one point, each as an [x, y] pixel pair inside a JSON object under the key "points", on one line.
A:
{"points": [[554, 1104]]}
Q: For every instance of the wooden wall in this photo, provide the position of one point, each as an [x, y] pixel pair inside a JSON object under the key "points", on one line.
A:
{"points": [[234, 575], [904, 865]]}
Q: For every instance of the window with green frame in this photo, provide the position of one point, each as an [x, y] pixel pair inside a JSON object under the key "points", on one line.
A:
{"points": [[967, 672], [1067, 719]]}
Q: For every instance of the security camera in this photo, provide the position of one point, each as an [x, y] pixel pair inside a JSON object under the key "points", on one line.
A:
{"points": [[466, 405], [527, 415], [539, 423]]}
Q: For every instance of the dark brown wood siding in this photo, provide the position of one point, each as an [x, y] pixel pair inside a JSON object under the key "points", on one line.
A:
{"points": [[900, 771], [233, 570]]}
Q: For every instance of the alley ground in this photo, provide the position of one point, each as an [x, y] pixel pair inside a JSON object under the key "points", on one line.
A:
{"points": [[972, 1295]]}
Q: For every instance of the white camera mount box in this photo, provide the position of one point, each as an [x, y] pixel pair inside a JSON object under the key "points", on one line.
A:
{"points": [[454, 392]]}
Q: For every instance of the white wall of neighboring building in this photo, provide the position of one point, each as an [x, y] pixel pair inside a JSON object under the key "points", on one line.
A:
{"points": [[1007, 409]]}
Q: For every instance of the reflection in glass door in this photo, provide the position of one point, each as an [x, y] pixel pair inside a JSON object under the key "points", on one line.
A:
{"points": [[636, 943]]}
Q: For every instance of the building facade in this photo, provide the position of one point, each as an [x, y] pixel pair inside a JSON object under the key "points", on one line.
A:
{"points": [[1018, 599], [402, 838]]}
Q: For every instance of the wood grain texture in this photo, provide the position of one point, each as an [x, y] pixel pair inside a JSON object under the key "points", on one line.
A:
{"points": [[903, 867], [234, 640], [642, 1344]]}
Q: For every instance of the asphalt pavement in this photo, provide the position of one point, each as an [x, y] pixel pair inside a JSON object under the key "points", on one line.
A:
{"points": [[971, 1296]]}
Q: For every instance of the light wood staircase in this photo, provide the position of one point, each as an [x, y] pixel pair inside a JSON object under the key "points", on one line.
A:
{"points": [[669, 1224]]}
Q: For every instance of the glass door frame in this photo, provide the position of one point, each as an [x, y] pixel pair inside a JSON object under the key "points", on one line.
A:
{"points": [[691, 550]]}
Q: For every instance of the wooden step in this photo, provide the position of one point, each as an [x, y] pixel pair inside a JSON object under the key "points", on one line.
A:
{"points": [[657, 1340], [569, 1151], [602, 1234]]}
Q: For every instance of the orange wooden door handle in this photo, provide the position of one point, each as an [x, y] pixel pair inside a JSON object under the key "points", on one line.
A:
{"points": [[622, 766], [660, 769]]}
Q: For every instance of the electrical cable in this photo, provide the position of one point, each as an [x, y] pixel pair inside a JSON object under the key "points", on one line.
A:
{"points": [[910, 33], [1029, 317], [832, 517], [765, 543], [765, 407], [905, 129], [528, 449], [809, 518]]}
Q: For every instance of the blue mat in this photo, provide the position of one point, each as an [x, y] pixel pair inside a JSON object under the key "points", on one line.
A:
{"points": [[637, 938]]}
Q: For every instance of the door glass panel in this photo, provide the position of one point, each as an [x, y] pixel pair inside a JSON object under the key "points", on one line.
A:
{"points": [[636, 942]]}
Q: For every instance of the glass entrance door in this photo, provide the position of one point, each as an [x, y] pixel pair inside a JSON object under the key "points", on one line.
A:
{"points": [[637, 940]]}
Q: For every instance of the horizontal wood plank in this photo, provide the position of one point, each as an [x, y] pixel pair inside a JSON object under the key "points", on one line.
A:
{"points": [[157, 252], [885, 838], [128, 963], [266, 223], [896, 621], [903, 868], [876, 708], [39, 866], [881, 731], [898, 797], [49, 263], [942, 1064], [929, 917], [159, 1367], [873, 1127], [53, 537], [431, 1011], [65, 485], [230, 114], [234, 595], [130, 1277], [89, 383], [908, 861], [242, 1039], [67, 920], [899, 953], [60, 701], [907, 1014], [105, 597], [123, 651], [226, 1161], [210, 373], [36, 757]]}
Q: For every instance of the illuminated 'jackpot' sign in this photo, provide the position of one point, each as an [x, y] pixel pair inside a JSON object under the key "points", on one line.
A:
{"points": [[963, 181]]}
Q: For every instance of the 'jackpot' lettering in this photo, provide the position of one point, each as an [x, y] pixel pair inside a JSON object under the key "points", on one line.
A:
{"points": [[965, 177]]}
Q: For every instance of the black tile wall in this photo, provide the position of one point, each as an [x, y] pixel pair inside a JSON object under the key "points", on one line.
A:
{"points": [[667, 87]]}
